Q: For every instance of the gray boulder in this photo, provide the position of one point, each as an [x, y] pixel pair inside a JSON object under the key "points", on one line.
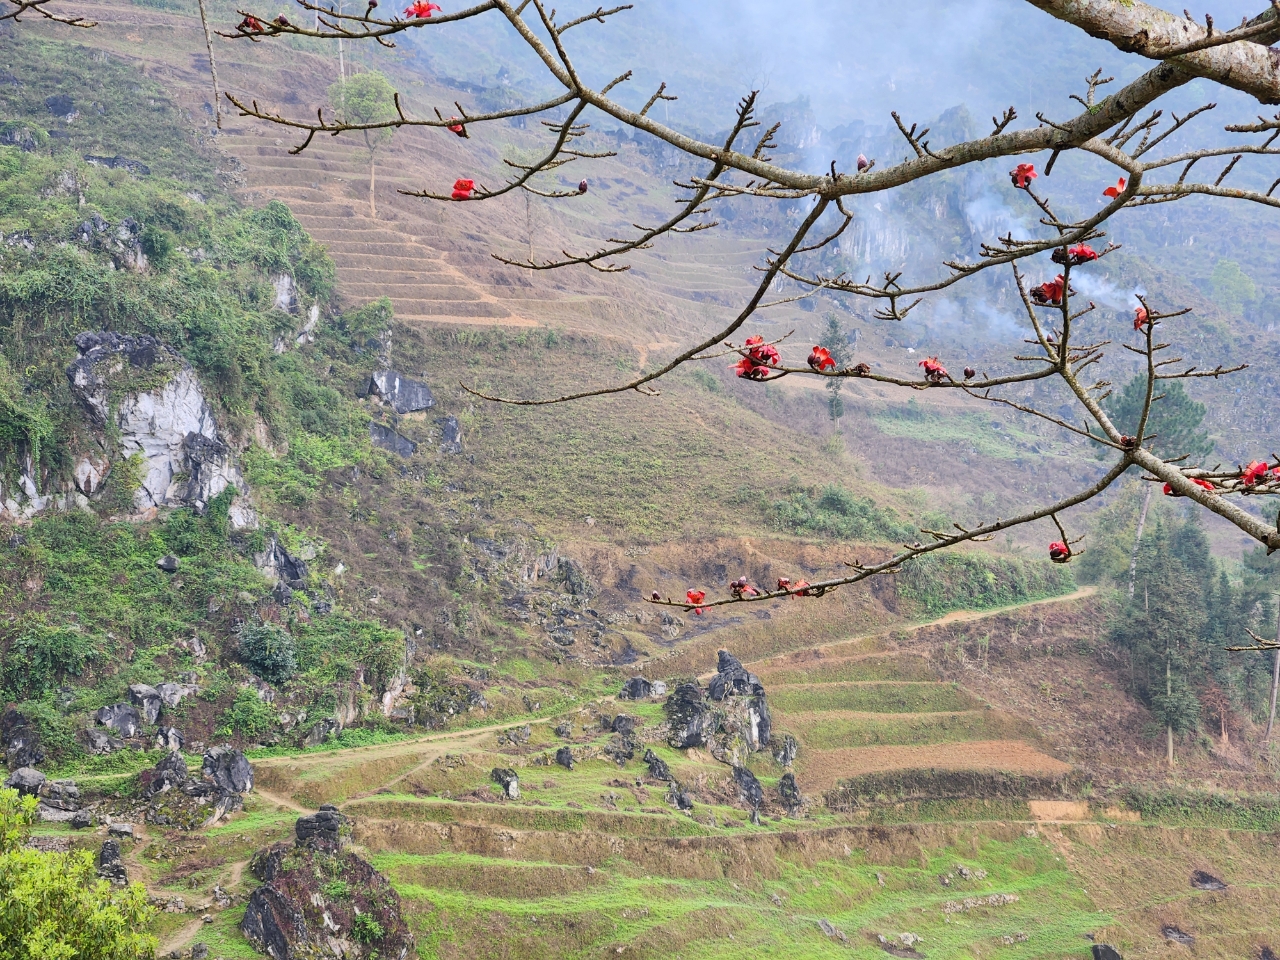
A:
{"points": [[327, 829], [789, 792], [120, 830], [564, 730], [637, 688], [19, 740], [402, 393], [172, 694], [277, 563], [658, 768], [26, 780], [450, 434], [390, 440], [624, 725], [786, 751], [168, 773], [1104, 951], [229, 769], [100, 743], [748, 787], [110, 865], [122, 718], [732, 679], [681, 799], [690, 719], [564, 757], [60, 795], [81, 819], [169, 738], [508, 780], [659, 688], [168, 563], [147, 700]]}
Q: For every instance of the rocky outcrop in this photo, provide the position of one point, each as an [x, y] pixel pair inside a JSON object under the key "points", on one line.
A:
{"points": [[172, 694], [147, 700], [100, 743], [689, 717], [169, 773], [749, 788], [19, 739], [637, 688], [508, 780], [732, 679], [111, 865], [658, 768], [171, 425], [143, 401], [564, 757], [322, 731], [789, 792], [786, 750], [402, 393], [390, 440], [279, 564], [297, 915], [327, 830], [170, 739], [123, 718], [450, 434], [228, 769]]}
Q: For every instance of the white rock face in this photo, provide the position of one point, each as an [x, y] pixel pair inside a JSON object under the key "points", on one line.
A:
{"points": [[171, 427], [286, 293]]}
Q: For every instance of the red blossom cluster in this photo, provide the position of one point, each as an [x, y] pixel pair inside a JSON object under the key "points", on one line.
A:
{"points": [[1059, 552], [462, 189], [1168, 489], [934, 371], [1115, 191], [1022, 175], [741, 588], [1049, 294], [696, 597], [820, 359], [1074, 255], [457, 127], [421, 10], [798, 589], [759, 358], [1140, 318], [251, 24], [1257, 472]]}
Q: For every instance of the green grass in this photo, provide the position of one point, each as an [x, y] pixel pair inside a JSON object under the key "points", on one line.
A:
{"points": [[977, 430], [555, 911], [873, 698], [826, 731], [839, 670]]}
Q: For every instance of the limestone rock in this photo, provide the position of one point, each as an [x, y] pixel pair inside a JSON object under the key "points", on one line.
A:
{"points": [[564, 757], [147, 700], [390, 440], [508, 780], [168, 563], [402, 393], [170, 426], [228, 769], [786, 751], [732, 679], [624, 724], [637, 688], [19, 739], [789, 792], [26, 780], [60, 795], [120, 717], [748, 787], [327, 829], [110, 865], [450, 434], [278, 564], [168, 773], [321, 731], [100, 743], [690, 719], [1104, 951], [658, 768], [172, 694]]}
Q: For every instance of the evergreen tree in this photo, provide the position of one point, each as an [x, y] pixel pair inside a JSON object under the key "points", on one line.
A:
{"points": [[836, 339], [1175, 418]]}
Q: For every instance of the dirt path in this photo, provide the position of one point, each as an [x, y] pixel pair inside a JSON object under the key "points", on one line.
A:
{"points": [[955, 616]]}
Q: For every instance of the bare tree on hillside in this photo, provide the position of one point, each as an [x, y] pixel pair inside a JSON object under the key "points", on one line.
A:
{"points": [[1126, 128]]}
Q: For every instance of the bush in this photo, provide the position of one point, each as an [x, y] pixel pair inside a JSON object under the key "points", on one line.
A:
{"points": [[835, 512], [53, 904], [366, 929], [249, 717], [269, 651]]}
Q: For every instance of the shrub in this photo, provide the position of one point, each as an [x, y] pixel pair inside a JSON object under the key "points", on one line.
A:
{"points": [[269, 651], [54, 905], [249, 717], [366, 929]]}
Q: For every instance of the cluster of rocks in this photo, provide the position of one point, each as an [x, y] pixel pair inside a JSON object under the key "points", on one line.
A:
{"points": [[298, 913], [59, 800], [176, 798], [128, 719], [638, 688], [730, 717]]}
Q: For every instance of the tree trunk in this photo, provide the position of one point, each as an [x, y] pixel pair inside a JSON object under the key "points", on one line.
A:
{"points": [[1137, 541], [213, 67], [1168, 689], [1275, 680]]}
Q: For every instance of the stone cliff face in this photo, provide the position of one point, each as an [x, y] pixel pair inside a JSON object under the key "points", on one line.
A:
{"points": [[141, 400]]}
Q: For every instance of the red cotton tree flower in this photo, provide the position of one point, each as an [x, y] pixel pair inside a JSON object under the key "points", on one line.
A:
{"points": [[934, 371], [1198, 481], [1050, 293], [1059, 552], [1140, 318], [696, 597], [421, 10], [1115, 191], [1023, 174], [820, 359], [1255, 473], [462, 189]]}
